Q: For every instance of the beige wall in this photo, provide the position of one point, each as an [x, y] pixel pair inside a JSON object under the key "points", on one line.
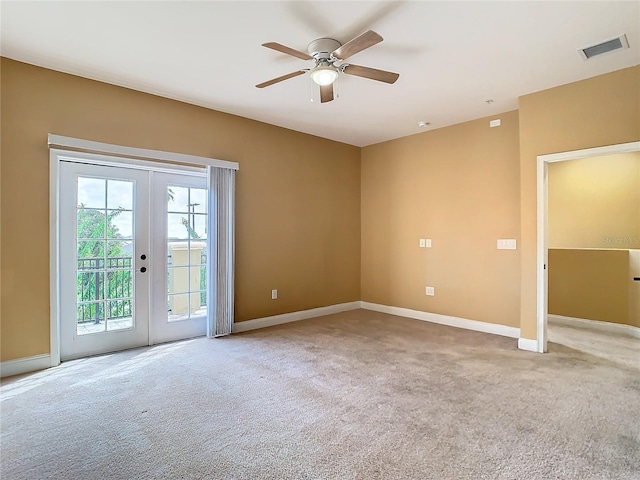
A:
{"points": [[595, 202], [459, 187], [603, 110], [298, 196], [591, 284], [634, 288]]}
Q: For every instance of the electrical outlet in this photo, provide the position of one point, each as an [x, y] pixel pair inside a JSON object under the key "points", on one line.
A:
{"points": [[423, 243], [274, 294], [431, 291]]}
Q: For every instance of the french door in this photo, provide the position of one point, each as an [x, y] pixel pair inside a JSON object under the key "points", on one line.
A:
{"points": [[179, 213], [132, 258]]}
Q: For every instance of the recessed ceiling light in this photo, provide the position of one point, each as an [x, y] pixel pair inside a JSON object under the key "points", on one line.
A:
{"points": [[423, 124]]}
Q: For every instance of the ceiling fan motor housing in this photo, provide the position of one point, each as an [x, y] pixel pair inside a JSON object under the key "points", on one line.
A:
{"points": [[322, 48]]}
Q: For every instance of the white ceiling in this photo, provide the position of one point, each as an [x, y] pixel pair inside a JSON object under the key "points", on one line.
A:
{"points": [[451, 56]]}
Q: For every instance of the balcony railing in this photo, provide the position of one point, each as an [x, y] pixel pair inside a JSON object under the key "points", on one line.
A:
{"points": [[111, 279], [98, 277]]}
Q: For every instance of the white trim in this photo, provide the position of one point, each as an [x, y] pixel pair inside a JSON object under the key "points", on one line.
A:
{"points": [[609, 327], [80, 144], [528, 345], [542, 257], [24, 365], [124, 162], [542, 246], [54, 285], [293, 316], [492, 328], [591, 152]]}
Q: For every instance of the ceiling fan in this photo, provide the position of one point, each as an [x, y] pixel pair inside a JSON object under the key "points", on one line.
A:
{"points": [[329, 57]]}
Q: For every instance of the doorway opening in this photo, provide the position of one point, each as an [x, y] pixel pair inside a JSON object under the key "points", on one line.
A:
{"points": [[543, 163]]}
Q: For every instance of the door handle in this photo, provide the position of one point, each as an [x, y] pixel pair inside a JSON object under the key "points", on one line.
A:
{"points": [[142, 269]]}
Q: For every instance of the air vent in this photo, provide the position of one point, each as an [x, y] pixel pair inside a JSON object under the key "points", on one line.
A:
{"points": [[617, 43]]}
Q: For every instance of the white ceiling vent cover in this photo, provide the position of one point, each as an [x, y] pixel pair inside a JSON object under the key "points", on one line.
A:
{"points": [[618, 43]]}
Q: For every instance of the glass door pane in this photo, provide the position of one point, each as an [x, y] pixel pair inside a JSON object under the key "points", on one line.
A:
{"points": [[105, 225], [186, 252], [179, 297]]}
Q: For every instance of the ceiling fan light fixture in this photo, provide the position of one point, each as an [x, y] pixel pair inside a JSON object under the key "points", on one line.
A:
{"points": [[324, 75]]}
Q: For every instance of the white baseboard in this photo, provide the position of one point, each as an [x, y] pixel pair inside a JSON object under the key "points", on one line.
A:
{"points": [[608, 327], [528, 345], [293, 316], [24, 365], [457, 322]]}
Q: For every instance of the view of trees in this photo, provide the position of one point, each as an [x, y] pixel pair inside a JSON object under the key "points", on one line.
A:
{"points": [[91, 225], [95, 272], [105, 265]]}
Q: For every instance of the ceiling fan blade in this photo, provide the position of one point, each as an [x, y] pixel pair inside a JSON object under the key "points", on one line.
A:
{"points": [[366, 40], [289, 51], [371, 73], [280, 79], [379, 12], [326, 93], [314, 18]]}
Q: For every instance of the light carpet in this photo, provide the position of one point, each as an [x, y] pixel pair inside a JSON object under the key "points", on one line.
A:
{"points": [[357, 395]]}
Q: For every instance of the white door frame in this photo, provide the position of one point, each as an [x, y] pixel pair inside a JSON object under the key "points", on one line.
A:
{"points": [[55, 157], [543, 223]]}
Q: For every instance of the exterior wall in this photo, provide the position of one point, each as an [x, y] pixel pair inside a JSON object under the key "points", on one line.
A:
{"points": [[297, 199]]}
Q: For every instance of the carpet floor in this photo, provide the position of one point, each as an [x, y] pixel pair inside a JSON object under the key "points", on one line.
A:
{"points": [[357, 395]]}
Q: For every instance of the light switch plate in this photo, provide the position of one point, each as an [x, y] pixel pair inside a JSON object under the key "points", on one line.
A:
{"points": [[506, 244], [274, 294], [428, 243], [422, 243], [431, 291]]}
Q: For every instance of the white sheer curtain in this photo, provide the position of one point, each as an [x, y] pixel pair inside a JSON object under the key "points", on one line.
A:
{"points": [[220, 254]]}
